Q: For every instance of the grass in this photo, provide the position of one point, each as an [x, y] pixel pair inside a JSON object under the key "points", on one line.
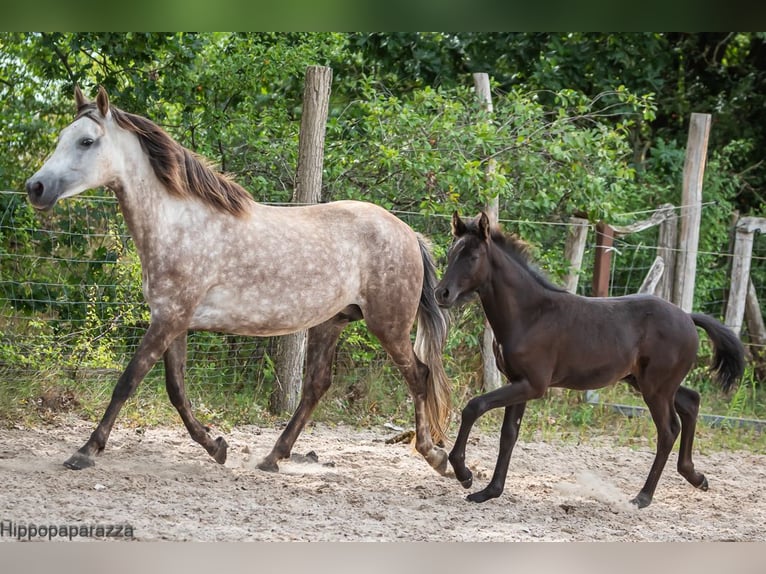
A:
{"points": [[375, 396]]}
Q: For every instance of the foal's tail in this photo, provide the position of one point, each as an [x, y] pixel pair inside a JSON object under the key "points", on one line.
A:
{"points": [[433, 326], [729, 359]]}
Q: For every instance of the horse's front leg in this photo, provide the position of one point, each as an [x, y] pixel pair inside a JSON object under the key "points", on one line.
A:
{"points": [[154, 343]]}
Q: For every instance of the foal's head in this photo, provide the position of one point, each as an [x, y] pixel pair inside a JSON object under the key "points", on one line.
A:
{"points": [[467, 261]]}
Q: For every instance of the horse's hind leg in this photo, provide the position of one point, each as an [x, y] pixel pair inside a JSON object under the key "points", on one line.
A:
{"points": [[664, 415], [687, 404], [175, 368], [508, 435], [415, 373], [322, 341]]}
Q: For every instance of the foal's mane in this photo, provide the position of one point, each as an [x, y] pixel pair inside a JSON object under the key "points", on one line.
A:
{"points": [[519, 251], [184, 173]]}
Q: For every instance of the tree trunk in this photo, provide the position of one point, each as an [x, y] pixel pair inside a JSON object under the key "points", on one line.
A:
{"points": [[291, 349]]}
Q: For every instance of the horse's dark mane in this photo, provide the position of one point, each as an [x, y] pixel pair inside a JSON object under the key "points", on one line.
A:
{"points": [[518, 250], [183, 172], [521, 252]]}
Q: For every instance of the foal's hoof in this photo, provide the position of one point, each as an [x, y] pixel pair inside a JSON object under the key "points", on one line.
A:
{"points": [[483, 495], [703, 485], [219, 454], [268, 465], [467, 482], [79, 461], [642, 500]]}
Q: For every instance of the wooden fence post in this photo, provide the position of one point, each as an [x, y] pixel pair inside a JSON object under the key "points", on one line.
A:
{"points": [[753, 317], [291, 349], [666, 248], [649, 285], [740, 270], [491, 376], [577, 236], [691, 210], [603, 259]]}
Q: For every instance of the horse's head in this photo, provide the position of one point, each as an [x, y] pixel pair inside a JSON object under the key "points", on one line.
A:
{"points": [[467, 260], [82, 158]]}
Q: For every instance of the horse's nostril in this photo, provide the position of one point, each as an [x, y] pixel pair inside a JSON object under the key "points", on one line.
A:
{"points": [[35, 188]]}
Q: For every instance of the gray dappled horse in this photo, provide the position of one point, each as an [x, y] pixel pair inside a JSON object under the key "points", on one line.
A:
{"points": [[214, 259]]}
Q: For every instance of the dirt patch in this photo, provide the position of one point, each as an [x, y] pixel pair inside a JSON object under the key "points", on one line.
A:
{"points": [[358, 487]]}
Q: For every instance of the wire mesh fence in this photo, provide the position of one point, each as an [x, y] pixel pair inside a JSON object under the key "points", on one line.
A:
{"points": [[71, 304]]}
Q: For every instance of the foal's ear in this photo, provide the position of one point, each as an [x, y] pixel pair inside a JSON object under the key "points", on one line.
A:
{"points": [[79, 99], [458, 227], [102, 101], [484, 226]]}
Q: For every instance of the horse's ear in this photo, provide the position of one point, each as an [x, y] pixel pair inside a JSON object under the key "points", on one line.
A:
{"points": [[485, 231], [102, 101], [458, 227], [79, 99]]}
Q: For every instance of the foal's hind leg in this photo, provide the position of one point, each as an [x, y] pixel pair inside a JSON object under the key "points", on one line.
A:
{"points": [[508, 435], [322, 341], [175, 368], [687, 404], [664, 415]]}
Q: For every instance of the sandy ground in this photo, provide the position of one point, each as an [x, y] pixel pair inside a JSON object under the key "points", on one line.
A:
{"points": [[162, 486]]}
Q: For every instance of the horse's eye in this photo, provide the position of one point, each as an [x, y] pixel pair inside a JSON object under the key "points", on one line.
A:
{"points": [[86, 142]]}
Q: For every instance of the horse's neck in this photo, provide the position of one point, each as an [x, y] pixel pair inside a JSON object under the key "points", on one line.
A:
{"points": [[510, 293], [139, 211], [147, 207]]}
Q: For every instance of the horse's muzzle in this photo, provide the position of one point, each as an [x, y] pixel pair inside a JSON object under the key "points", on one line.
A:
{"points": [[36, 194], [443, 297]]}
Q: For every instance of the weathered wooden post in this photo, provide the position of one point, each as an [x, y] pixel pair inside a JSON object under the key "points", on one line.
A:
{"points": [[291, 349], [753, 317], [691, 210], [577, 236], [603, 259], [740, 269], [491, 376], [666, 248]]}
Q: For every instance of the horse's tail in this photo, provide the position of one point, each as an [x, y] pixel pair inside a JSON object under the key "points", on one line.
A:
{"points": [[433, 327], [729, 359]]}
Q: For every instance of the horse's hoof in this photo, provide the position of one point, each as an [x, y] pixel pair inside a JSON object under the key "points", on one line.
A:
{"points": [[641, 501], [221, 446], [441, 462], [79, 461], [467, 482], [703, 485], [268, 465]]}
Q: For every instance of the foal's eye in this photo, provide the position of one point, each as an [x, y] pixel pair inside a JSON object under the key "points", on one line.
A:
{"points": [[86, 142]]}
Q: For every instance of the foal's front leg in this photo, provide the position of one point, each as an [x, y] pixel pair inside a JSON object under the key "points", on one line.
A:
{"points": [[508, 435], [515, 394], [154, 343]]}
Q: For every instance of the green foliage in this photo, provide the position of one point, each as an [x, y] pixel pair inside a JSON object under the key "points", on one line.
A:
{"points": [[583, 123]]}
